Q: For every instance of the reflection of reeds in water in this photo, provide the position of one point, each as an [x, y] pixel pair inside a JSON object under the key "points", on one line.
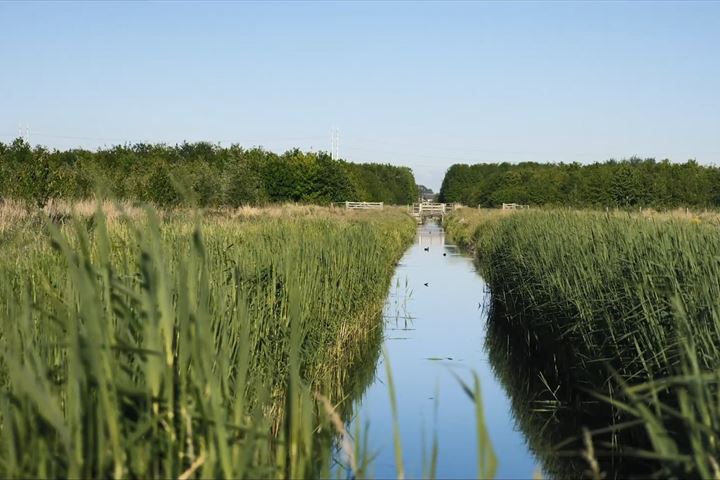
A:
{"points": [[552, 408], [397, 312], [629, 305], [349, 387]]}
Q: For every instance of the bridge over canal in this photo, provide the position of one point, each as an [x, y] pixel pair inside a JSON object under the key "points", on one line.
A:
{"points": [[421, 211]]}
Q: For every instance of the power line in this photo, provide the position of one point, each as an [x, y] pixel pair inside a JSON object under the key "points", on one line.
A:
{"points": [[599, 157], [477, 152], [334, 147], [24, 133]]}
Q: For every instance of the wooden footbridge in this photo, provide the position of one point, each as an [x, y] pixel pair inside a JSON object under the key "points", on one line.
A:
{"points": [[421, 211], [364, 205]]}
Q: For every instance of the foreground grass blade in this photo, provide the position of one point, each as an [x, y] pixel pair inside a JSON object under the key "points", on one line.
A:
{"points": [[397, 437]]}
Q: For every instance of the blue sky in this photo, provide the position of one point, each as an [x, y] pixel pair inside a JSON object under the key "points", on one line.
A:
{"points": [[420, 84]]}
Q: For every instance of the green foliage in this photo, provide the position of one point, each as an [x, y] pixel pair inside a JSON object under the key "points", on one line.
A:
{"points": [[426, 193], [628, 183], [187, 348], [199, 174], [383, 183], [628, 309], [25, 173]]}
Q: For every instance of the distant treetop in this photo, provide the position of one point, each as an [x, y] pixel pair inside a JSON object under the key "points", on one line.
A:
{"points": [[201, 174], [625, 183]]}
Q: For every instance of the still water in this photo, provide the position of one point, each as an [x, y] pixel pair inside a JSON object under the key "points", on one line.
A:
{"points": [[432, 331]]}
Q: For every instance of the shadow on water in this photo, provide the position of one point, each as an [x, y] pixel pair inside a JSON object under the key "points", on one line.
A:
{"points": [[345, 384], [553, 410]]}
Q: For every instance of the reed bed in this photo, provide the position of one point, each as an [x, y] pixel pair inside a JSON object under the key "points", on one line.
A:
{"points": [[185, 345], [627, 306]]}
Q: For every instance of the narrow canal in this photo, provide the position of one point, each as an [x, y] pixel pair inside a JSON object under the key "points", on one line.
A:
{"points": [[435, 324]]}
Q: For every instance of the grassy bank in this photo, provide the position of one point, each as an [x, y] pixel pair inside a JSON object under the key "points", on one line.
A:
{"points": [[138, 344], [625, 308]]}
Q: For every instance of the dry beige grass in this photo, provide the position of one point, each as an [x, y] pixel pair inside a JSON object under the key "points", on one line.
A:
{"points": [[16, 215], [696, 216], [12, 213]]}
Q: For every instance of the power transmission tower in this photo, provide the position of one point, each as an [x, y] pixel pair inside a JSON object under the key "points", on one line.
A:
{"points": [[25, 135], [334, 143]]}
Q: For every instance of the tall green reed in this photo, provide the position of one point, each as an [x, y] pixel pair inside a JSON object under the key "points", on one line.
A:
{"points": [[629, 309], [189, 347]]}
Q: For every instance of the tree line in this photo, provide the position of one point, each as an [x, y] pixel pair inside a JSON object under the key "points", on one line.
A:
{"points": [[633, 182], [202, 174]]}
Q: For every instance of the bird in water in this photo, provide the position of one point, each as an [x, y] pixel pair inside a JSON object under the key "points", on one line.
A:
{"points": [[427, 284], [427, 249]]}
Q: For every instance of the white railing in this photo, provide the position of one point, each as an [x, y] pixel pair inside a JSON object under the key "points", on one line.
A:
{"points": [[364, 205], [513, 206], [430, 208]]}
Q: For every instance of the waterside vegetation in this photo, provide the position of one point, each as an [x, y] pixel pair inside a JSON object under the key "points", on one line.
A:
{"points": [[177, 344], [620, 315]]}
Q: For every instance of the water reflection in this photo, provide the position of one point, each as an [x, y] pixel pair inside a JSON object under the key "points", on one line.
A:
{"points": [[552, 408], [434, 330], [441, 321], [343, 385]]}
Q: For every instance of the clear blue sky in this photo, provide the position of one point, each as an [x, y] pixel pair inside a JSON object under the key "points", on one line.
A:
{"points": [[420, 84]]}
